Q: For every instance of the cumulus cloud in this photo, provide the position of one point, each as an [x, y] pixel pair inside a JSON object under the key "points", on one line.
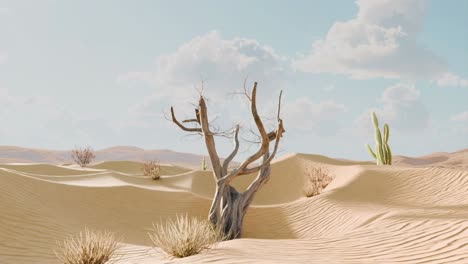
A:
{"points": [[399, 94], [401, 107], [320, 118], [221, 64], [450, 79], [379, 42]]}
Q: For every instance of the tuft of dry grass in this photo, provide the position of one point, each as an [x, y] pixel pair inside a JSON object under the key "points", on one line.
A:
{"points": [[152, 169], [185, 236], [89, 247], [315, 180]]}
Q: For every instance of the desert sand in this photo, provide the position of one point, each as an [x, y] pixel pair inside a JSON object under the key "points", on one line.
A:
{"points": [[415, 212]]}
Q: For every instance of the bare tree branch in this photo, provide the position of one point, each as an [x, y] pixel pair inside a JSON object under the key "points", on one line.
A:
{"points": [[234, 151], [279, 105], [189, 121], [261, 129], [209, 140], [267, 162], [265, 140], [188, 129]]}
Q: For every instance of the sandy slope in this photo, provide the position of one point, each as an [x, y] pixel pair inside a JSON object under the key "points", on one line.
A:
{"points": [[369, 214]]}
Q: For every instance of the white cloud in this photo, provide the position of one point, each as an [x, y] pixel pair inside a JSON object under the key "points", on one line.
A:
{"points": [[400, 107], [392, 12], [221, 64], [379, 42], [400, 93], [450, 79], [321, 118]]}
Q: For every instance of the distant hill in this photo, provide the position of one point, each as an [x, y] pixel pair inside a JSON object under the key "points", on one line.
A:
{"points": [[457, 159], [12, 154]]}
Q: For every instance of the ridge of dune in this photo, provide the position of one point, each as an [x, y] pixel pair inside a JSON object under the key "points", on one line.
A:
{"points": [[122, 148], [457, 159], [134, 167]]}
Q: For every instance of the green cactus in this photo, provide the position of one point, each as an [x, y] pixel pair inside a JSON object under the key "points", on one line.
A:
{"points": [[382, 155], [203, 164]]}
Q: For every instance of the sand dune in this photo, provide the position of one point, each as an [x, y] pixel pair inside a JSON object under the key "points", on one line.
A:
{"points": [[458, 159], [132, 167], [368, 214]]}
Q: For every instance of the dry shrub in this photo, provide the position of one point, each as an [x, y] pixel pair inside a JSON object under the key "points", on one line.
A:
{"points": [[151, 168], [83, 156], [185, 236], [315, 180], [88, 247]]}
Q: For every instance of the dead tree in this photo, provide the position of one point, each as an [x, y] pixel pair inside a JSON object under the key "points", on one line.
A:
{"points": [[229, 206]]}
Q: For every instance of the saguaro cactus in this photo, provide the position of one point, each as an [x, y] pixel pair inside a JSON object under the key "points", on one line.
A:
{"points": [[203, 164], [382, 155]]}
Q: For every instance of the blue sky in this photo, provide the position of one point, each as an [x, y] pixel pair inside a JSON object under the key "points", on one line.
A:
{"points": [[103, 73]]}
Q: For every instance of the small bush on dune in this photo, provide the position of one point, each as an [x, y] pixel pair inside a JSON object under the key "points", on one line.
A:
{"points": [[152, 169], [185, 236], [83, 156], [88, 247], [315, 180]]}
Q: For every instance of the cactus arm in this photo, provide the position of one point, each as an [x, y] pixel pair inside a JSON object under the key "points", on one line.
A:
{"points": [[387, 152], [370, 151], [374, 119], [386, 132], [378, 147], [378, 140], [203, 165], [389, 156]]}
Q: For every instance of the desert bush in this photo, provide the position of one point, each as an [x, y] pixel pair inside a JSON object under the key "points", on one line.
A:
{"points": [[151, 168], [88, 247], [83, 156], [185, 236], [315, 180]]}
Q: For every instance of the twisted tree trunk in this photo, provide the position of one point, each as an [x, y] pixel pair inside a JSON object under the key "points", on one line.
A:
{"points": [[229, 206]]}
